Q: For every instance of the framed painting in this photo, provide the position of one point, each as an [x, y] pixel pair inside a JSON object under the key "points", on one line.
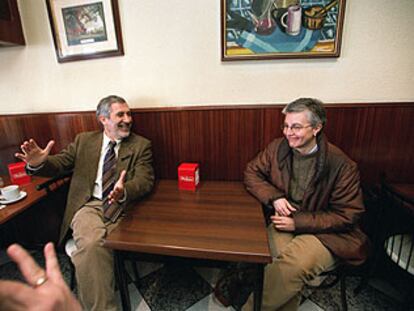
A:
{"points": [[85, 29], [271, 29]]}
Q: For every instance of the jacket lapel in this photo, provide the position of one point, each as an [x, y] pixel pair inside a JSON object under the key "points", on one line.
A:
{"points": [[284, 159], [124, 157], [93, 150], [320, 168]]}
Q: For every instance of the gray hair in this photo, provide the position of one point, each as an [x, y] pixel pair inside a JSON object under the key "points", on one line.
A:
{"points": [[314, 108], [104, 106]]}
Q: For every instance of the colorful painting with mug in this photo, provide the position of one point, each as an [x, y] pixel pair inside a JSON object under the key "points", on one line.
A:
{"points": [[266, 29]]}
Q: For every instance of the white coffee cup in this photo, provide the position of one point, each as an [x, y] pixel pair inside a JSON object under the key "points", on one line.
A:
{"points": [[11, 192]]}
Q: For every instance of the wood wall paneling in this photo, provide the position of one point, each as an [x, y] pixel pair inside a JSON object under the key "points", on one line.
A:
{"points": [[222, 141], [379, 137]]}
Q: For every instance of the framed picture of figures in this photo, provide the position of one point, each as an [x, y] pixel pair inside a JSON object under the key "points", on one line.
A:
{"points": [[271, 29], [85, 29]]}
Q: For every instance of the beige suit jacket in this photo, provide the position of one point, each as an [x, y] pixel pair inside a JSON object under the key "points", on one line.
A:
{"points": [[82, 158]]}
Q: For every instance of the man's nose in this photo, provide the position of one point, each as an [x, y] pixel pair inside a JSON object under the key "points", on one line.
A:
{"points": [[127, 119], [288, 131]]}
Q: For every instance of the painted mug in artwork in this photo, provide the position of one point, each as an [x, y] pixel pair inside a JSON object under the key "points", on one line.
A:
{"points": [[292, 20]]}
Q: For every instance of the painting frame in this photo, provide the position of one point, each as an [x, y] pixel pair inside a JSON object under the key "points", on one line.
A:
{"points": [[249, 36], [85, 29]]}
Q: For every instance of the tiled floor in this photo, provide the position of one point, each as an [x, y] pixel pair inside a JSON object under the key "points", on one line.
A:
{"points": [[174, 287]]}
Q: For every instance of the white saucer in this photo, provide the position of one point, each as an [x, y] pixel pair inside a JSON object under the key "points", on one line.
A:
{"points": [[22, 195]]}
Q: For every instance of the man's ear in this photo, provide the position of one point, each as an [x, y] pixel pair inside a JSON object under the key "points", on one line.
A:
{"points": [[317, 129], [102, 119]]}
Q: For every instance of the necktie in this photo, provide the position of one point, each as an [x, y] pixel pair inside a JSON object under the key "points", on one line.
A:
{"points": [[110, 211]]}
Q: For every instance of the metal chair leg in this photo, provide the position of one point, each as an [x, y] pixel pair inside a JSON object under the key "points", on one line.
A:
{"points": [[136, 275], [72, 277]]}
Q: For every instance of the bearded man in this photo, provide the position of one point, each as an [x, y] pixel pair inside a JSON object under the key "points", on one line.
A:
{"points": [[111, 169]]}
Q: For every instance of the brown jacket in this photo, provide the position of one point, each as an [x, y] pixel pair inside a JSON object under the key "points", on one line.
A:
{"points": [[332, 204], [82, 157]]}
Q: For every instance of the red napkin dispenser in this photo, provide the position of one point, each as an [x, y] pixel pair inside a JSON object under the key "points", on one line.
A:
{"points": [[188, 176], [18, 174]]}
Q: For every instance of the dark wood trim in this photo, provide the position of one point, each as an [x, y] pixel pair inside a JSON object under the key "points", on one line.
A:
{"points": [[11, 31]]}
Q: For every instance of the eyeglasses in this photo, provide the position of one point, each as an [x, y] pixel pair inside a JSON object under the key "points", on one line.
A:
{"points": [[295, 128]]}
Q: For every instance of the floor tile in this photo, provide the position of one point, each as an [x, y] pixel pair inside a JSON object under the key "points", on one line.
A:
{"points": [[309, 305], [145, 268], [178, 288], [173, 288], [211, 275], [368, 299], [137, 302], [209, 303], [386, 289]]}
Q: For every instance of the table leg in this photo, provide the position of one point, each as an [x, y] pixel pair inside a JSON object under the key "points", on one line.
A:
{"points": [[120, 275], [258, 290]]}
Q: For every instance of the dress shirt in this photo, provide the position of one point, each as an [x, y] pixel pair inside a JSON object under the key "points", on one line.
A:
{"points": [[97, 189]]}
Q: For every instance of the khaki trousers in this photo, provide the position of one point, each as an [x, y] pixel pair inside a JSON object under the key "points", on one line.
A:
{"points": [[297, 259], [94, 264]]}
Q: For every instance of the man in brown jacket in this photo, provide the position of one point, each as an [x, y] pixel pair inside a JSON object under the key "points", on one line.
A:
{"points": [[113, 161], [312, 192]]}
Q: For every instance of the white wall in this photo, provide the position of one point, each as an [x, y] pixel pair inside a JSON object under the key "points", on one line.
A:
{"points": [[172, 58]]}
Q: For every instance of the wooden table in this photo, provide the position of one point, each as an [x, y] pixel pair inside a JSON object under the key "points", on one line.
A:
{"points": [[219, 222], [33, 196], [36, 219]]}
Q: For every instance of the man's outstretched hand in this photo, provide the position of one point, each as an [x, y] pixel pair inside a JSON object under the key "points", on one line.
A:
{"points": [[32, 154]]}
